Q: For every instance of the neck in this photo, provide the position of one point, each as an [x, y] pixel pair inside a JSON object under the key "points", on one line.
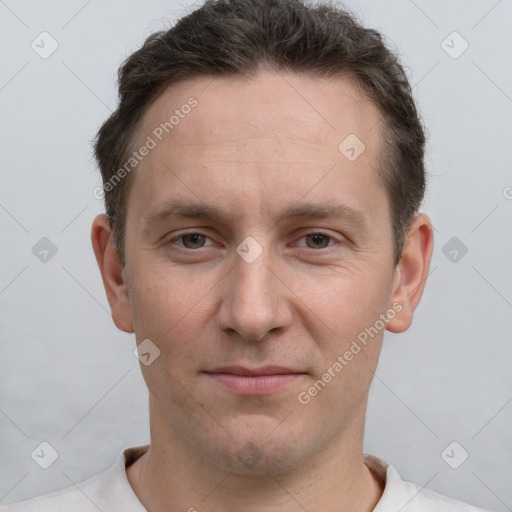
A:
{"points": [[171, 472]]}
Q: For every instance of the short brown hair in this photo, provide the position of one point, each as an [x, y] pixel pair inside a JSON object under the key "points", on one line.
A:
{"points": [[237, 37]]}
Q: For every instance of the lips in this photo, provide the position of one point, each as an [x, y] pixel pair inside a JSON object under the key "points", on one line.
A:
{"points": [[265, 370], [265, 380]]}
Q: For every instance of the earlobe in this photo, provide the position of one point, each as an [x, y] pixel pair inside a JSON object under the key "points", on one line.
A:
{"points": [[111, 273], [411, 272]]}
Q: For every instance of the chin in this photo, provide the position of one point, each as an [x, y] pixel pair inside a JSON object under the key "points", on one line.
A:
{"points": [[259, 459], [258, 453]]}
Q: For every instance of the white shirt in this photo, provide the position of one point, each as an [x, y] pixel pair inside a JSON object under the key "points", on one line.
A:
{"points": [[110, 491]]}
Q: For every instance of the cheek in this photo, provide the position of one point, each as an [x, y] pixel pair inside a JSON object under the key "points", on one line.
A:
{"points": [[350, 310], [164, 299], [349, 345], [172, 311], [352, 301]]}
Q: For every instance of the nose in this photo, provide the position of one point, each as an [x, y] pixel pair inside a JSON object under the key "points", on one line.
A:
{"points": [[255, 298]]}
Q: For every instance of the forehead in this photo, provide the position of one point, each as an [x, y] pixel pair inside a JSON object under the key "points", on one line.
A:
{"points": [[277, 134], [262, 105]]}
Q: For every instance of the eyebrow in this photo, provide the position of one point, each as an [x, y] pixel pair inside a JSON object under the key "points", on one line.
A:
{"points": [[178, 208]]}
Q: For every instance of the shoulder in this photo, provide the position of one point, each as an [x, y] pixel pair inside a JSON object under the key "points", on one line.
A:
{"points": [[420, 499], [66, 500], [408, 497], [109, 490]]}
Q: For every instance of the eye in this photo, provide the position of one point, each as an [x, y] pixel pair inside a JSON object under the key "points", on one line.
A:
{"points": [[191, 240], [196, 240], [317, 240]]}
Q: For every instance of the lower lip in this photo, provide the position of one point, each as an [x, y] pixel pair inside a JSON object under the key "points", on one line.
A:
{"points": [[255, 384]]}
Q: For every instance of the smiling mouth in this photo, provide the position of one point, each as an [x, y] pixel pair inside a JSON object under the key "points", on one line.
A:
{"points": [[254, 381]]}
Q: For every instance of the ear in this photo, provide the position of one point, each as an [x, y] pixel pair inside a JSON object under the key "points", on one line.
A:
{"points": [[411, 272], [112, 273]]}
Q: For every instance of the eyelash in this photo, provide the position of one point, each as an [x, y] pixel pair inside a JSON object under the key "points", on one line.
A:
{"points": [[183, 235]]}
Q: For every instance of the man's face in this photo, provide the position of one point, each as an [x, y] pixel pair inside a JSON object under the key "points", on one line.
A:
{"points": [[295, 294]]}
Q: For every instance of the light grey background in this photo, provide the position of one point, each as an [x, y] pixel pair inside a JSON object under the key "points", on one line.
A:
{"points": [[68, 376]]}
